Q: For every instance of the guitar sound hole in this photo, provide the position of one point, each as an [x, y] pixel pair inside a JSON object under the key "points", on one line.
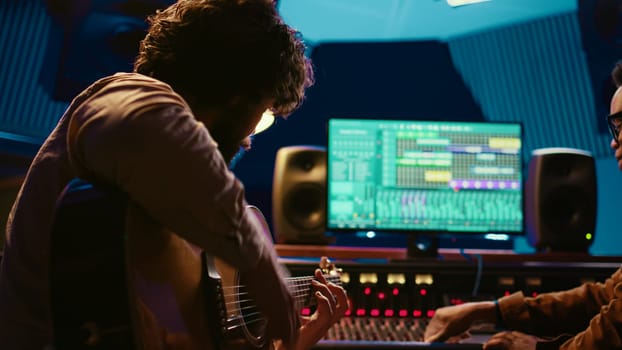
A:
{"points": [[254, 321]]}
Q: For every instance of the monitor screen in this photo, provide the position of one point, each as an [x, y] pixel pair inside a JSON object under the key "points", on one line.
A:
{"points": [[424, 176]]}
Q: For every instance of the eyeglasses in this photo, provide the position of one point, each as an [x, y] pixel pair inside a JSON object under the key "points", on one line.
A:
{"points": [[614, 122]]}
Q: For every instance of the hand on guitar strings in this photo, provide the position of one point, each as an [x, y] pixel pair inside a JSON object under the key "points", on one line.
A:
{"points": [[332, 304]]}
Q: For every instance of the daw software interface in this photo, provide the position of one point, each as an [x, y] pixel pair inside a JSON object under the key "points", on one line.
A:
{"points": [[424, 176]]}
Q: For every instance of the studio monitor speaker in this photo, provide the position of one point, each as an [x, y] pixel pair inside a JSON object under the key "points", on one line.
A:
{"points": [[560, 200], [299, 195]]}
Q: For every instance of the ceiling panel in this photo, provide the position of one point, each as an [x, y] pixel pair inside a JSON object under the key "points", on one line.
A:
{"points": [[338, 20]]}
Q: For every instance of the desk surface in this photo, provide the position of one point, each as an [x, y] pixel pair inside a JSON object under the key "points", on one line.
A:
{"points": [[350, 253]]}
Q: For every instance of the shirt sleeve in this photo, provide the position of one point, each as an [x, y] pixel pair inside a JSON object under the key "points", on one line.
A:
{"points": [[168, 164], [592, 312]]}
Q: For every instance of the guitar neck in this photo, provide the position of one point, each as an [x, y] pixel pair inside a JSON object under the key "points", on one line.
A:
{"points": [[302, 290]]}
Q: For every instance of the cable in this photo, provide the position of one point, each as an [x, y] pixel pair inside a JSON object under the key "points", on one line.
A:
{"points": [[478, 275]]}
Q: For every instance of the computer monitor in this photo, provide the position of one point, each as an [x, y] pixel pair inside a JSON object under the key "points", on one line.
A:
{"points": [[432, 177]]}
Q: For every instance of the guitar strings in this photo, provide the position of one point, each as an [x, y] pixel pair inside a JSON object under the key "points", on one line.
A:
{"points": [[299, 296], [296, 281], [246, 307], [297, 290]]}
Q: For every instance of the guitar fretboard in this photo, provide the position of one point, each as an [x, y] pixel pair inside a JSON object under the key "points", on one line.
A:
{"points": [[302, 290]]}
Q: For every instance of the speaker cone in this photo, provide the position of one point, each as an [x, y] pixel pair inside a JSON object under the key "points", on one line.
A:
{"points": [[304, 206], [567, 212]]}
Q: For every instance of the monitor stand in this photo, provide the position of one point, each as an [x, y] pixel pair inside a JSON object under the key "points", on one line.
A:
{"points": [[422, 245]]}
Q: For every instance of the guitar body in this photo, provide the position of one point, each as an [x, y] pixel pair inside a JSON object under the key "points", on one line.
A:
{"points": [[239, 323], [120, 281]]}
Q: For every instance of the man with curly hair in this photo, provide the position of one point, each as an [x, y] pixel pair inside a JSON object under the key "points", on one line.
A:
{"points": [[164, 134]]}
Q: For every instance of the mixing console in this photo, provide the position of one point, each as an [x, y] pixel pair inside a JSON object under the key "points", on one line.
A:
{"points": [[389, 333], [381, 328], [391, 303]]}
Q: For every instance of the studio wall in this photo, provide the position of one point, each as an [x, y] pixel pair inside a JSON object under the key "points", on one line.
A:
{"points": [[535, 71]]}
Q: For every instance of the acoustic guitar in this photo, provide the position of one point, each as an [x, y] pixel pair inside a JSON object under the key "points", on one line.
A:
{"points": [[98, 301]]}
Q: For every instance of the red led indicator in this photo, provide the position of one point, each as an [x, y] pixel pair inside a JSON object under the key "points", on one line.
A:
{"points": [[430, 313], [403, 313], [381, 295], [389, 313], [417, 313], [305, 311], [367, 291], [396, 291], [423, 292], [360, 312], [375, 312]]}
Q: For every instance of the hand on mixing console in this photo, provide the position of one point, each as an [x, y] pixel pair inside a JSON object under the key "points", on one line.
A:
{"points": [[451, 322], [511, 341]]}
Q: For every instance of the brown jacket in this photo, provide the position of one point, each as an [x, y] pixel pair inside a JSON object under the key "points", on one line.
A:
{"points": [[590, 313]]}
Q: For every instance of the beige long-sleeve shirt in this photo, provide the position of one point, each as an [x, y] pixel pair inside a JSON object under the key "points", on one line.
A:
{"points": [[590, 315], [136, 133]]}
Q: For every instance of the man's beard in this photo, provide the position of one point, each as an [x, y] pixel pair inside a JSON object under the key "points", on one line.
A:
{"points": [[228, 132], [232, 150]]}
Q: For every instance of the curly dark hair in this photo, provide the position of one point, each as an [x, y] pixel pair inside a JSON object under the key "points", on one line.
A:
{"points": [[210, 51]]}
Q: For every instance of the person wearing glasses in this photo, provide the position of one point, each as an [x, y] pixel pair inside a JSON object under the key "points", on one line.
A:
{"points": [[614, 119], [206, 72], [588, 317]]}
